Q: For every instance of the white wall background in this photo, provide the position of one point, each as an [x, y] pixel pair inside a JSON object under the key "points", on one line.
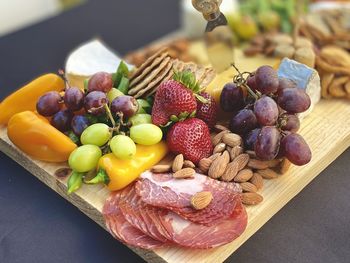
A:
{"points": [[16, 14]]}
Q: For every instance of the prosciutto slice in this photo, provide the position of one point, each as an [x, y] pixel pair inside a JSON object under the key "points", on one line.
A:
{"points": [[121, 229], [163, 190]]}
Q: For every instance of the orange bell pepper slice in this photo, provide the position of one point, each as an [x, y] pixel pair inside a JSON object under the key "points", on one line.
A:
{"points": [[33, 134], [26, 97]]}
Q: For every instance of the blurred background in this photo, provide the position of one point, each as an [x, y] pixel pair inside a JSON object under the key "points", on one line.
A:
{"points": [[17, 14]]}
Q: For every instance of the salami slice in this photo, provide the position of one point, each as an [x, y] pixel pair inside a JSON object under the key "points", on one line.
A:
{"points": [[131, 206], [164, 191], [189, 234], [121, 229]]}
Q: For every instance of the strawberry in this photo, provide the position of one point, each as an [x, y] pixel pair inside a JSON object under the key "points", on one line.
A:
{"points": [[207, 112], [176, 99], [190, 137]]}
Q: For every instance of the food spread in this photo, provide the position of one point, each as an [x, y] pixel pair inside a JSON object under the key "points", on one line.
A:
{"points": [[181, 160], [180, 172]]}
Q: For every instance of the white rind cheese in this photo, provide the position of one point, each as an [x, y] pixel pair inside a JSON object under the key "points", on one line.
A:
{"points": [[88, 59], [305, 77]]}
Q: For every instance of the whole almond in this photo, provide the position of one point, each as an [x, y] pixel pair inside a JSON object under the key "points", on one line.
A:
{"points": [[230, 172], [257, 180], [248, 187], [243, 176], [184, 173], [258, 164], [161, 168], [251, 198], [218, 137], [220, 128], [285, 165], [232, 139], [242, 160], [201, 200], [267, 173], [219, 148], [189, 164], [214, 156], [204, 164], [218, 167], [274, 163], [235, 151], [178, 163]]}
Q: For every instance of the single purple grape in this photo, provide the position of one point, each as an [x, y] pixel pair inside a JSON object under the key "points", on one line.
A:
{"points": [[243, 122], [231, 98], [49, 103], [95, 102], [79, 123], [74, 98], [61, 120]]}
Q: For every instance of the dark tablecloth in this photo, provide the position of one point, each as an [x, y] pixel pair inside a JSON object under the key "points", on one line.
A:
{"points": [[37, 225]]}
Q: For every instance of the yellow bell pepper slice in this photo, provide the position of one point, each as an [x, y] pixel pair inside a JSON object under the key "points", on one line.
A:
{"points": [[117, 173]]}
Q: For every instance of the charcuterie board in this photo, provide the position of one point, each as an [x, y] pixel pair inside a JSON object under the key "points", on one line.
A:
{"points": [[326, 129]]}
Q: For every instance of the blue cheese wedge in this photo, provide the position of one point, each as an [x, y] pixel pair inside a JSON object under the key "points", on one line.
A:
{"points": [[305, 77], [89, 58]]}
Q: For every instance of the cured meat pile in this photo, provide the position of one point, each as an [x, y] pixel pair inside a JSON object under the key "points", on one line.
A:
{"points": [[156, 211]]}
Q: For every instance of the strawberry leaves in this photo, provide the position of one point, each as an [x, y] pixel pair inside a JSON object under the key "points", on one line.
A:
{"points": [[188, 79]]}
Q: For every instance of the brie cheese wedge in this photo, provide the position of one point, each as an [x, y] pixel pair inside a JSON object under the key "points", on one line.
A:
{"points": [[89, 58]]}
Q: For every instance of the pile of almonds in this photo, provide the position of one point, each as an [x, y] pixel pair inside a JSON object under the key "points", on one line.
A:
{"points": [[230, 163]]}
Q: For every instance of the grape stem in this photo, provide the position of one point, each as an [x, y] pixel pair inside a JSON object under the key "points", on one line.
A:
{"points": [[241, 81], [61, 73], [109, 114], [251, 92]]}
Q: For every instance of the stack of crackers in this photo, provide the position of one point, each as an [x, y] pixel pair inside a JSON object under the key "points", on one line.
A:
{"points": [[160, 67]]}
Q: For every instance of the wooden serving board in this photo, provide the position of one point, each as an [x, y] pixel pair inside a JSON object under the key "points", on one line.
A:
{"points": [[326, 129]]}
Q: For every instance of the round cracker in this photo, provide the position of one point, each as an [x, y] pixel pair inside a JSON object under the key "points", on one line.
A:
{"points": [[167, 77], [151, 76], [136, 79], [160, 76], [147, 62]]}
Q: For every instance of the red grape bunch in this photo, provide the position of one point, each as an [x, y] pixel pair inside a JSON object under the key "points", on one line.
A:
{"points": [[264, 112]]}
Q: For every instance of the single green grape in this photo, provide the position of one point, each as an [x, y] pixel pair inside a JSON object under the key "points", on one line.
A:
{"points": [[140, 119], [146, 134], [97, 134], [84, 158], [123, 147], [114, 93]]}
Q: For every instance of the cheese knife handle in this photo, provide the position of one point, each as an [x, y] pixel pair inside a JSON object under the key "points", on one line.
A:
{"points": [[209, 8]]}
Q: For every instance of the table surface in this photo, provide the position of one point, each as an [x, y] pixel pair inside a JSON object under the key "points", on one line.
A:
{"points": [[37, 225]]}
